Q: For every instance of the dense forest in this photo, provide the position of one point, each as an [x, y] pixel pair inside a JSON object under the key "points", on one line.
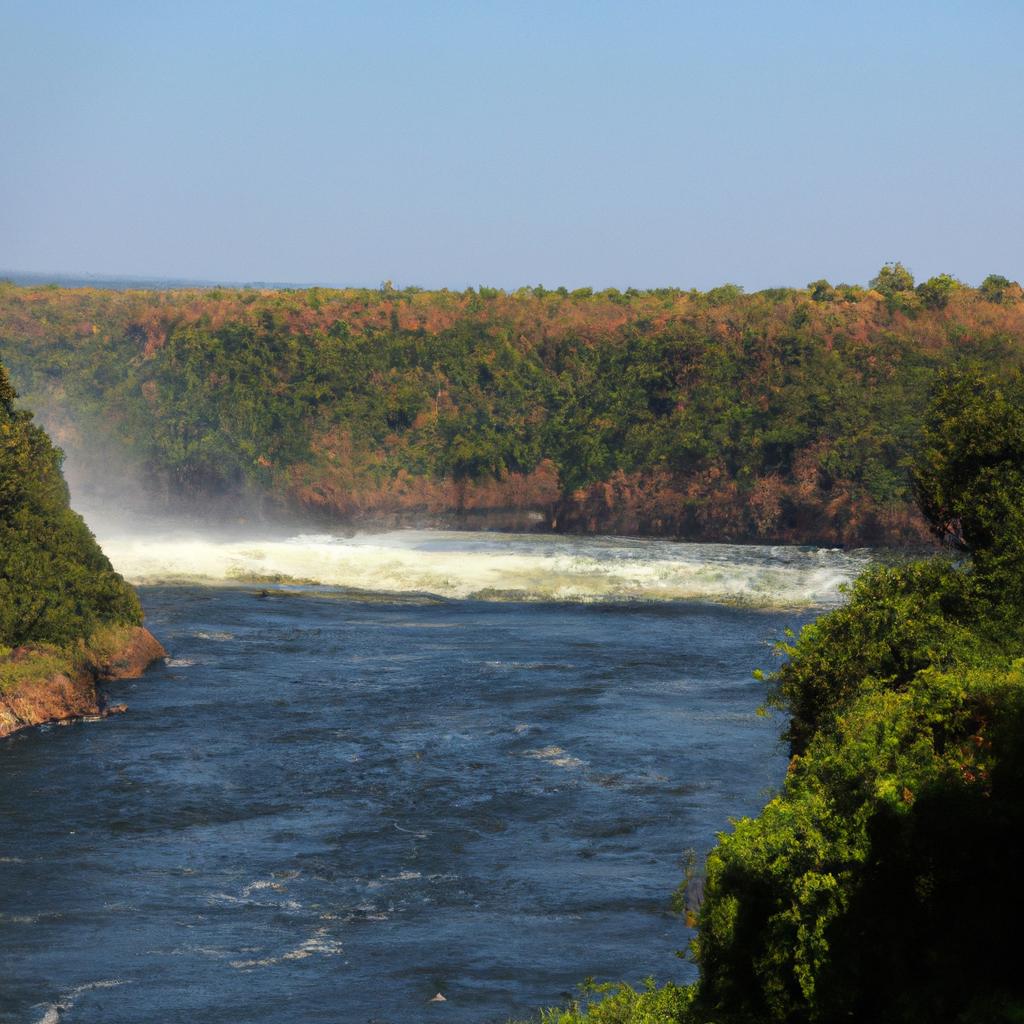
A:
{"points": [[882, 883], [785, 415], [60, 600]]}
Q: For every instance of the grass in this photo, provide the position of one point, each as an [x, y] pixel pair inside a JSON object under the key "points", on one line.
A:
{"points": [[42, 661]]}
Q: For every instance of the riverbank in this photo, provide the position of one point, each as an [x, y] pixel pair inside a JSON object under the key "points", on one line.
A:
{"points": [[41, 683]]}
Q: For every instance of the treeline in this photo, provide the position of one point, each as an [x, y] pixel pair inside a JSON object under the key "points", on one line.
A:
{"points": [[883, 882], [785, 415]]}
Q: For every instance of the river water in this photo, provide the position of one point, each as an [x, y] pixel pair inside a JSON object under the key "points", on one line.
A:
{"points": [[379, 768]]}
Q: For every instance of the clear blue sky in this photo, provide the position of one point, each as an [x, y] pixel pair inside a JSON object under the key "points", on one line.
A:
{"points": [[453, 144]]}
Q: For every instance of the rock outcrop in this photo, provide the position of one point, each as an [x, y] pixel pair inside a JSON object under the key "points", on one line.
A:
{"points": [[134, 658], [63, 696]]}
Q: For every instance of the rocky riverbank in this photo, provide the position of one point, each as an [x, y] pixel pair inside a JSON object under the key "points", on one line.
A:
{"points": [[41, 684]]}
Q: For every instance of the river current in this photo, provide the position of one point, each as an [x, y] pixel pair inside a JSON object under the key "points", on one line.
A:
{"points": [[376, 769]]}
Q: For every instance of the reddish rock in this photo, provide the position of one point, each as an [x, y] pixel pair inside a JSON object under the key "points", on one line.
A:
{"points": [[61, 697], [51, 700], [141, 651]]}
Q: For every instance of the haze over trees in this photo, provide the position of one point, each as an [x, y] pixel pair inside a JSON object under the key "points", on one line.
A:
{"points": [[786, 415]]}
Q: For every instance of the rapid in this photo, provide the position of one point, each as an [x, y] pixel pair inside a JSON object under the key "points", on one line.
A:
{"points": [[493, 566]]}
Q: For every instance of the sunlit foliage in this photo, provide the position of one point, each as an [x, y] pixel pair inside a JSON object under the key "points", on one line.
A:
{"points": [[882, 883], [56, 586], [781, 415]]}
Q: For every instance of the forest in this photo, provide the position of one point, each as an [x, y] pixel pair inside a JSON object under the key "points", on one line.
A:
{"points": [[787, 415]]}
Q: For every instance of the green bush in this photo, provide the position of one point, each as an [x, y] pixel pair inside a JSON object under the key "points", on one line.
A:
{"points": [[897, 621], [882, 884], [622, 1004]]}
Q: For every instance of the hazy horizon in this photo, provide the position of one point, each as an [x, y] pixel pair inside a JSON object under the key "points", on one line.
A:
{"points": [[452, 144], [128, 282]]}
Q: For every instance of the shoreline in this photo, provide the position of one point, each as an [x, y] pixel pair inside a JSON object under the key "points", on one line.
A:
{"points": [[67, 686]]}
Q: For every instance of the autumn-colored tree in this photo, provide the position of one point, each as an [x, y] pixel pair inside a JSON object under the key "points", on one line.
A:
{"points": [[693, 406]]}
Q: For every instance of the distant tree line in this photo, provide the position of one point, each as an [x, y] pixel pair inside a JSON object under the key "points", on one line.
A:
{"points": [[788, 414]]}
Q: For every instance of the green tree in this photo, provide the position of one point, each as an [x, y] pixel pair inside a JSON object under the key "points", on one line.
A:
{"points": [[906, 795], [7, 392], [821, 291], [969, 474], [892, 279], [56, 585], [935, 292], [995, 287]]}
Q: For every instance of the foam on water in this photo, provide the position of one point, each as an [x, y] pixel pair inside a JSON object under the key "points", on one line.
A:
{"points": [[53, 1012], [318, 943], [456, 565], [556, 756]]}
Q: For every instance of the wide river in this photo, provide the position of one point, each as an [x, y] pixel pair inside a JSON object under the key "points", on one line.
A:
{"points": [[380, 768]]}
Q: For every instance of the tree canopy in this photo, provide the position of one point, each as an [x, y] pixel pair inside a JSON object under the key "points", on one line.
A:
{"points": [[785, 415], [882, 883], [56, 585]]}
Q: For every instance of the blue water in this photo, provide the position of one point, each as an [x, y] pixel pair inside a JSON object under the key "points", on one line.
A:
{"points": [[327, 809]]}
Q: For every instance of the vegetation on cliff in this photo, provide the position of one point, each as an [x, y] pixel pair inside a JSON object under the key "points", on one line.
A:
{"points": [[882, 883], [59, 594], [782, 415]]}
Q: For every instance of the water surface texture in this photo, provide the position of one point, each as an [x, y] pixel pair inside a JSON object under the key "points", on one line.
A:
{"points": [[330, 806]]}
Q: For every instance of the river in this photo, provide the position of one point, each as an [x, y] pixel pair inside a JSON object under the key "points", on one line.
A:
{"points": [[374, 769]]}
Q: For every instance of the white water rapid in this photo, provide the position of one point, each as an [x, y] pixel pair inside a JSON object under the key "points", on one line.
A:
{"points": [[488, 566]]}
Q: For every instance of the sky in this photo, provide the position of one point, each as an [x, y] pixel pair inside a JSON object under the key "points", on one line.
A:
{"points": [[451, 144]]}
